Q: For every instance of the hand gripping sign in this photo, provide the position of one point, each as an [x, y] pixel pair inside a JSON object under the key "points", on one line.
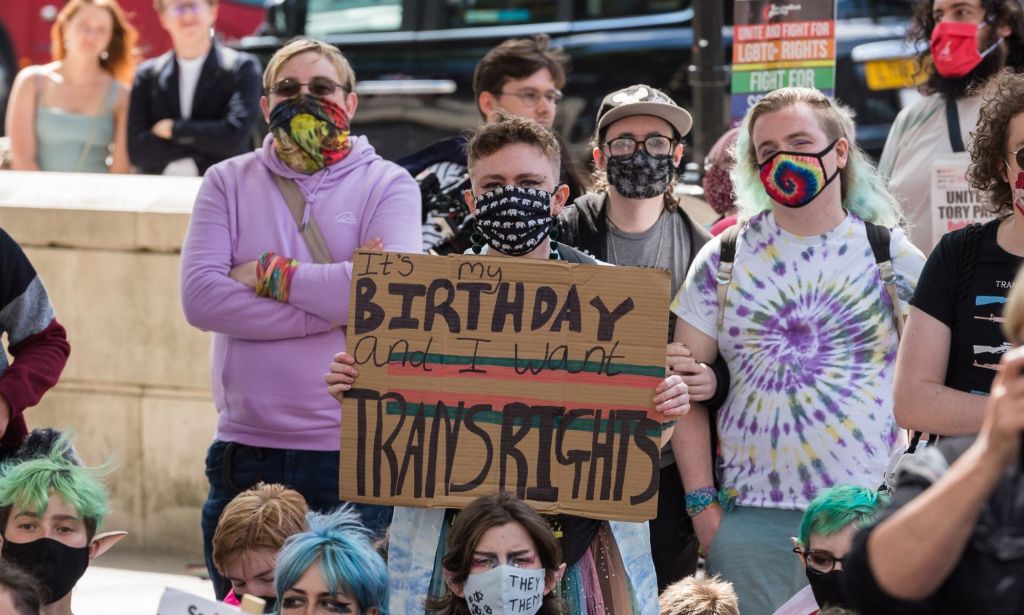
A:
{"points": [[479, 374]]}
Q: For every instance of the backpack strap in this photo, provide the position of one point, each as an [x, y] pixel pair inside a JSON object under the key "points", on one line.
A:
{"points": [[879, 238], [726, 258], [311, 230]]}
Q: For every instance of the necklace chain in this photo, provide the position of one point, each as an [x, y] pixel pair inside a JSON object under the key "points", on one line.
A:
{"points": [[661, 239]]}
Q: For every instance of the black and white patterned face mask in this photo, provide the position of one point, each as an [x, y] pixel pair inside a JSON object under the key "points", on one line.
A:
{"points": [[640, 176], [514, 220]]}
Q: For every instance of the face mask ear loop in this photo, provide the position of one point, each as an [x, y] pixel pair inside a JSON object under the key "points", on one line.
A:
{"points": [[821, 161]]}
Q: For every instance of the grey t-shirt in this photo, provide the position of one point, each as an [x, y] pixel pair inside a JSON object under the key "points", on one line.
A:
{"points": [[666, 245]]}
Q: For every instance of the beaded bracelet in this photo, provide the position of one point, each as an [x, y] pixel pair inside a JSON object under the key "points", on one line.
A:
{"points": [[274, 276]]}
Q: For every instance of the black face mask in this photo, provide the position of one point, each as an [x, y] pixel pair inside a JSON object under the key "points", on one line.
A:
{"points": [[827, 587], [270, 602], [514, 220], [640, 176], [55, 565]]}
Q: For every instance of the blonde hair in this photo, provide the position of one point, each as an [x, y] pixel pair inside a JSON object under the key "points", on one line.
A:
{"points": [[693, 596], [346, 76], [864, 192], [261, 518], [1013, 312]]}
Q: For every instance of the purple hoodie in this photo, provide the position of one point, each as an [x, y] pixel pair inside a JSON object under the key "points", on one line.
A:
{"points": [[269, 358]]}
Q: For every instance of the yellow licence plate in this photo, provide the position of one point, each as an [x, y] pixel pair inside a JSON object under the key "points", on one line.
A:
{"points": [[893, 74]]}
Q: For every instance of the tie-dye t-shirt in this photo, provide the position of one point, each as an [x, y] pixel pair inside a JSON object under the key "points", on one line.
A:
{"points": [[811, 346]]}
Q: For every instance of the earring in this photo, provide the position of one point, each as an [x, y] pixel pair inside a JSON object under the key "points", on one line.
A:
{"points": [[553, 235], [476, 240], [104, 54]]}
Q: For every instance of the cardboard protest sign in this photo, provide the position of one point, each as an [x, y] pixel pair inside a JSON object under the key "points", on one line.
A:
{"points": [[483, 373], [781, 44], [954, 203], [177, 602]]}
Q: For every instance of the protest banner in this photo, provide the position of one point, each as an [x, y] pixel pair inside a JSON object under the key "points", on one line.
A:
{"points": [[778, 44], [954, 203], [484, 373], [177, 602]]}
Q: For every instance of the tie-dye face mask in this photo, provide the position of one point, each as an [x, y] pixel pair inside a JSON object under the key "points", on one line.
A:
{"points": [[794, 179], [310, 133]]}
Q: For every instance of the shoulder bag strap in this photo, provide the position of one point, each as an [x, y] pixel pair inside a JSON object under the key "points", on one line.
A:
{"points": [[953, 125], [311, 231], [879, 237], [727, 255]]}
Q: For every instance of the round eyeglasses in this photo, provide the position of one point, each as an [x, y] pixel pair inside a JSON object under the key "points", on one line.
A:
{"points": [[531, 98], [818, 562]]}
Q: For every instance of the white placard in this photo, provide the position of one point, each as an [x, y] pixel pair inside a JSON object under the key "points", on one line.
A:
{"points": [[954, 203], [177, 602]]}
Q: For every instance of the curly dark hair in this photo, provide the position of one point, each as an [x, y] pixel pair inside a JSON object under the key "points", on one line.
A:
{"points": [[1000, 12], [1003, 99]]}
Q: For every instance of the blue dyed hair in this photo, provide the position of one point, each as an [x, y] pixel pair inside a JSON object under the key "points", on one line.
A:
{"points": [[340, 545], [864, 192], [835, 508]]}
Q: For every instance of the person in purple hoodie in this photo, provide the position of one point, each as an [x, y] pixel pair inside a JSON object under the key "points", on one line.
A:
{"points": [[267, 265]]}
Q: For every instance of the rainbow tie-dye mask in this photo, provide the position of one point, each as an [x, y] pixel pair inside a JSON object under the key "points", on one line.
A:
{"points": [[310, 133], [794, 179]]}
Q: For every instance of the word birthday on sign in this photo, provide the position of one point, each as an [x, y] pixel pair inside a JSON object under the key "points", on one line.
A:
{"points": [[485, 374]]}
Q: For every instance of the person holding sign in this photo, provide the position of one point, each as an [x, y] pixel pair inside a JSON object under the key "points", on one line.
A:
{"points": [[807, 314], [518, 160], [266, 266], [953, 342], [50, 509], [962, 44], [332, 568], [503, 559]]}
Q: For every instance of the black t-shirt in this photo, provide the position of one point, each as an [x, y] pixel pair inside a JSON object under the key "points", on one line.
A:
{"points": [[988, 579], [971, 305]]}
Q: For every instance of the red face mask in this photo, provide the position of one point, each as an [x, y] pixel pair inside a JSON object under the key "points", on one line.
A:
{"points": [[955, 48]]}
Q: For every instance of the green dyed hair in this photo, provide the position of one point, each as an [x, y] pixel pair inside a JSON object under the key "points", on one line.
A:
{"points": [[864, 192], [28, 485], [837, 507]]}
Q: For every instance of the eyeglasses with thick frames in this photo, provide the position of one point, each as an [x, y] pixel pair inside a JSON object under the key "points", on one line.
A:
{"points": [[318, 86], [818, 562], [531, 98], [656, 145]]}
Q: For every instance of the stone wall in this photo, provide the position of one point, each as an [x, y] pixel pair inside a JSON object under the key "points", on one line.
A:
{"points": [[137, 385]]}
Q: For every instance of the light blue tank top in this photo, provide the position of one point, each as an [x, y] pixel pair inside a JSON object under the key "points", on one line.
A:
{"points": [[72, 142]]}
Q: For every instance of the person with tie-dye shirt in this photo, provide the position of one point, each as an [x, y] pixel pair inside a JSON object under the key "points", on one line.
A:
{"points": [[809, 336]]}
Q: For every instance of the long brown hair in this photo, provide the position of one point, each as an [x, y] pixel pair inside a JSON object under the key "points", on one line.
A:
{"points": [[119, 61], [470, 526]]}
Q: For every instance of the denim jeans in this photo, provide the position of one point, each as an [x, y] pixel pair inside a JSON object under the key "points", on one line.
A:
{"points": [[231, 468]]}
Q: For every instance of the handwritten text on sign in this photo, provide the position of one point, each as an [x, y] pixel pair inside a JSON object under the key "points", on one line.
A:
{"points": [[480, 374]]}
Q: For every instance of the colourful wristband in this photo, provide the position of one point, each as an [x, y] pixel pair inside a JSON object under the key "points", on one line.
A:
{"points": [[274, 276], [698, 500]]}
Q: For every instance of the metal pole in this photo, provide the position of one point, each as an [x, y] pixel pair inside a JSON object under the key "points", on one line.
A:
{"points": [[708, 76]]}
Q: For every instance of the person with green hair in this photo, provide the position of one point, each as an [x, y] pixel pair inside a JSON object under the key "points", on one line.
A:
{"points": [[50, 510], [826, 535], [808, 326]]}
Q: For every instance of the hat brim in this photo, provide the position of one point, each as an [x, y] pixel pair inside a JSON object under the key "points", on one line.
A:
{"points": [[678, 117]]}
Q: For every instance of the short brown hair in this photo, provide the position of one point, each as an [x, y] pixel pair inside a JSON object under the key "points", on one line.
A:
{"points": [[508, 129], [693, 596], [261, 518], [346, 75], [469, 528], [518, 58], [1003, 98]]}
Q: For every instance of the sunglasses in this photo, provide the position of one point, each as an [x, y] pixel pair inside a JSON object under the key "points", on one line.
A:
{"points": [[1019, 157], [318, 86]]}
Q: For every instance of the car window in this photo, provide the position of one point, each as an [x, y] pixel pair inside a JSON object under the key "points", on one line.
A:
{"points": [[851, 9], [599, 9], [344, 16], [471, 13]]}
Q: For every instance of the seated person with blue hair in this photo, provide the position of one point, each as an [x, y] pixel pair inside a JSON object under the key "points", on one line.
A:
{"points": [[332, 568], [50, 509], [826, 534]]}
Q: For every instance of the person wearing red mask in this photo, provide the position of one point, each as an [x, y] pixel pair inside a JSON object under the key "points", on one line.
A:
{"points": [[963, 43]]}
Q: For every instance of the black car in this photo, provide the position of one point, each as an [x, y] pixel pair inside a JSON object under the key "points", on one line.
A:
{"points": [[414, 59]]}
